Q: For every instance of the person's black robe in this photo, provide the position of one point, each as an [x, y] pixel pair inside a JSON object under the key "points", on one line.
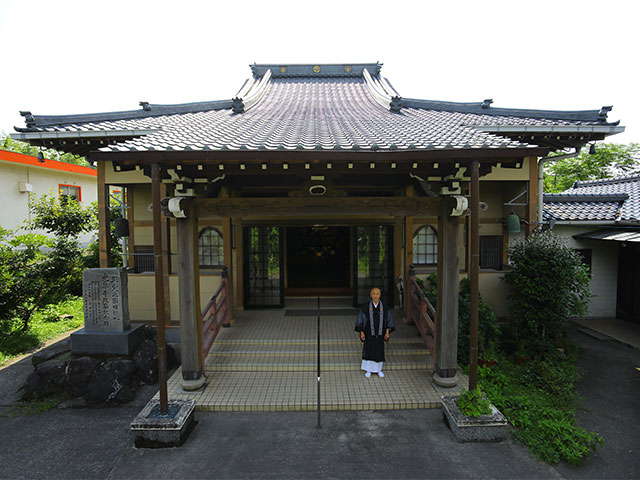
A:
{"points": [[373, 348]]}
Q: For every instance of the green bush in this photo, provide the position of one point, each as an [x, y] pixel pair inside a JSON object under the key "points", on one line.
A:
{"points": [[46, 323], [548, 284], [539, 400], [473, 403]]}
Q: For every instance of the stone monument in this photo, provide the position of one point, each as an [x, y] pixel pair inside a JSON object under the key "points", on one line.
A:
{"points": [[107, 328]]}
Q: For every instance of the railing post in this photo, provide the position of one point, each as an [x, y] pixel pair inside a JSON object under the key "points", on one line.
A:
{"points": [[226, 321], [410, 293]]}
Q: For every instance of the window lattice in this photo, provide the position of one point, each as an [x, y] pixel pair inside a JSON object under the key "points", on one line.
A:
{"points": [[425, 246], [210, 248]]}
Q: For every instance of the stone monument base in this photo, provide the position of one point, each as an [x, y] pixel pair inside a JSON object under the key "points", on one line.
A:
{"points": [[107, 343], [152, 429]]}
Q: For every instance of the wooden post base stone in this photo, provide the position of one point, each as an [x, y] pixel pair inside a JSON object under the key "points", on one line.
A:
{"points": [[152, 429]]}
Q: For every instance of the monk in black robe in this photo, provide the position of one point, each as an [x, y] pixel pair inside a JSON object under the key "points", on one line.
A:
{"points": [[374, 323]]}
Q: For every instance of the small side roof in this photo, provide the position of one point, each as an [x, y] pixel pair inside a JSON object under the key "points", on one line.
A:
{"points": [[29, 160], [612, 200]]}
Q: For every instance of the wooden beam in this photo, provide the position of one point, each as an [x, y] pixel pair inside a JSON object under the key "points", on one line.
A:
{"points": [[334, 206], [104, 218], [310, 156]]}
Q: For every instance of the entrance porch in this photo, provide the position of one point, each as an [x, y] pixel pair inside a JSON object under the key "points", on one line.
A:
{"points": [[267, 361]]}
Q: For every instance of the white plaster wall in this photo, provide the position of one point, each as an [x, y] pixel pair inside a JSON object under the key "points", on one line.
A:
{"points": [[604, 269], [14, 205]]}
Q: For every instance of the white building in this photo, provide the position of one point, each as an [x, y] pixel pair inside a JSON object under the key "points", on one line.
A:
{"points": [[23, 176], [601, 219]]}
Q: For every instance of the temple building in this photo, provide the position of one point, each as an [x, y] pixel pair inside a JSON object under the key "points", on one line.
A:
{"points": [[316, 180]]}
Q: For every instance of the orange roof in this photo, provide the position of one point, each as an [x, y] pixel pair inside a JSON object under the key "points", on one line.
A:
{"points": [[46, 163]]}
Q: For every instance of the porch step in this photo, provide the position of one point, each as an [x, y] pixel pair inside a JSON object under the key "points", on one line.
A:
{"points": [[340, 390], [289, 356], [308, 363]]}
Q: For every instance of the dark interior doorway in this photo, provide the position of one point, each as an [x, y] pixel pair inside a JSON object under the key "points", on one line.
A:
{"points": [[628, 301], [318, 261]]}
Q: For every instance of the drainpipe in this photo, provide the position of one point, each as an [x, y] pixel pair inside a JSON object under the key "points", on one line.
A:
{"points": [[541, 163]]}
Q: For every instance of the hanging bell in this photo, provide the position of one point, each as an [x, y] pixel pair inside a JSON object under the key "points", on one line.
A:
{"points": [[513, 223]]}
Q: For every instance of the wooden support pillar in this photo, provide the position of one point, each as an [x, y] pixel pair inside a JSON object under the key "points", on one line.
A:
{"points": [[446, 361], [397, 253], [532, 207], [227, 248], [408, 258], [158, 266], [189, 293], [131, 243], [166, 261], [104, 218], [239, 285], [474, 275]]}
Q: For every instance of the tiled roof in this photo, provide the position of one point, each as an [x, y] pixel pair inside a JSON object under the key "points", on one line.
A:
{"points": [[616, 200], [298, 108]]}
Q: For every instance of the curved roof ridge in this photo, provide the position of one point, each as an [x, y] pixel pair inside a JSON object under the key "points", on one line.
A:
{"points": [[585, 197], [607, 181], [147, 110], [485, 108]]}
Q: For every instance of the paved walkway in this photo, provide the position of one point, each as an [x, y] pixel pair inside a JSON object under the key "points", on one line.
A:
{"points": [[619, 331], [267, 361]]}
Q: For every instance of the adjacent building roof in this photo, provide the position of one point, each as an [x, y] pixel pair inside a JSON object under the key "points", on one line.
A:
{"points": [[31, 161], [613, 200], [317, 107]]}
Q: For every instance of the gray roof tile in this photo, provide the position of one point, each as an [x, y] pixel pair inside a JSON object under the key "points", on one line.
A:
{"points": [[305, 111], [588, 201]]}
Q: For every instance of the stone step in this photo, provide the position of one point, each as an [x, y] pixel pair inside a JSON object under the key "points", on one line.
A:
{"points": [[308, 341], [310, 349], [264, 363]]}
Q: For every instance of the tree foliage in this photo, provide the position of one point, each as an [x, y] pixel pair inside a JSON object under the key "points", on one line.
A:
{"points": [[36, 270], [610, 160], [548, 284], [7, 143], [62, 216]]}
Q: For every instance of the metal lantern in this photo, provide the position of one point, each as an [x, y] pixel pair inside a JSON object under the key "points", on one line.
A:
{"points": [[513, 223]]}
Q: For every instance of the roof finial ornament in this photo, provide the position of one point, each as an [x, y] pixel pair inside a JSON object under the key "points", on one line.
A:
{"points": [[602, 116], [487, 103], [28, 118], [145, 106]]}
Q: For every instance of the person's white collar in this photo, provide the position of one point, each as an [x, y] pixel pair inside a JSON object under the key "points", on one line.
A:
{"points": [[375, 305]]}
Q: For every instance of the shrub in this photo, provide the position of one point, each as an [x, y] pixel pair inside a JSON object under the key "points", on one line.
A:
{"points": [[473, 403], [548, 284], [539, 400]]}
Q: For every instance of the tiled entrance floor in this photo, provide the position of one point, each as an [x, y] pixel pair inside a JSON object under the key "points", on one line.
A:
{"points": [[267, 361]]}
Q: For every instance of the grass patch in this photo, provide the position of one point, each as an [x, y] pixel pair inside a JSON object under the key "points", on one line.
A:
{"points": [[45, 324], [539, 400]]}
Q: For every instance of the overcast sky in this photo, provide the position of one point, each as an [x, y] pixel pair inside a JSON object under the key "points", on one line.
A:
{"points": [[65, 57]]}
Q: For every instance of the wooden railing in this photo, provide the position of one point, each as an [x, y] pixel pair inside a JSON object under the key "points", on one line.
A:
{"points": [[421, 312], [216, 314]]}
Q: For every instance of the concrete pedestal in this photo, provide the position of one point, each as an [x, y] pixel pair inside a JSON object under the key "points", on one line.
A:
{"points": [[153, 430], [107, 343]]}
